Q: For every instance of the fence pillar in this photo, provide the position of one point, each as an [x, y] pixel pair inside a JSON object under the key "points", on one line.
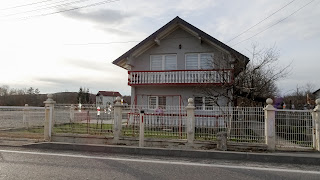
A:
{"points": [[190, 121], [48, 123], [317, 124], [117, 125], [141, 132], [270, 134], [25, 115], [72, 108]]}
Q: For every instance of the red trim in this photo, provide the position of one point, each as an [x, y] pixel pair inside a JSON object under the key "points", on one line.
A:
{"points": [[168, 114], [177, 84], [185, 70]]}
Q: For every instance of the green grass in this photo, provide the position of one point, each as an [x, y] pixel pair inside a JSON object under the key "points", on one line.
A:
{"points": [[159, 133], [84, 128]]}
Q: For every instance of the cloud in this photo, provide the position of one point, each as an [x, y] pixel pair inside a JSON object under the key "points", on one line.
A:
{"points": [[101, 16], [115, 31]]}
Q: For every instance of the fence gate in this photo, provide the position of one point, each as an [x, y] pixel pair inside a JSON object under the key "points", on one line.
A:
{"points": [[294, 129]]}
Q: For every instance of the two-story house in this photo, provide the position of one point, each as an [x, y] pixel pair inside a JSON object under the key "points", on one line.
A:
{"points": [[166, 68]]}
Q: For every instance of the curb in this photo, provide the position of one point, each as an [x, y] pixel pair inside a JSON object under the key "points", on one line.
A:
{"points": [[311, 158]]}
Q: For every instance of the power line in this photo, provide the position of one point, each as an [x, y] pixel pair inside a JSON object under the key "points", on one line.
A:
{"points": [[274, 23], [18, 6], [48, 7], [75, 8], [261, 21]]}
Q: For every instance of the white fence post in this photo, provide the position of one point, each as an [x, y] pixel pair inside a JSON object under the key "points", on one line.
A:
{"points": [[48, 123], [270, 134], [190, 121], [25, 115], [317, 124], [117, 125], [141, 132]]}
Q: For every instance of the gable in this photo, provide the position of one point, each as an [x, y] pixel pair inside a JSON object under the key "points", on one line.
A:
{"points": [[178, 43], [156, 38]]}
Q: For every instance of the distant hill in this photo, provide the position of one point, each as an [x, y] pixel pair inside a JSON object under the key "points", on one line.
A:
{"points": [[38, 99]]}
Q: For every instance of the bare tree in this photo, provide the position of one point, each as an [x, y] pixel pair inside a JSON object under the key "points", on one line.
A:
{"points": [[252, 82], [301, 97]]}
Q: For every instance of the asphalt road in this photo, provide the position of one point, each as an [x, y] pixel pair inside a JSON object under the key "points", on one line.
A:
{"points": [[20, 163]]}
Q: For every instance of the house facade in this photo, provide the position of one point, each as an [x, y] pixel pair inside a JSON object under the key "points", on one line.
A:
{"points": [[106, 98], [170, 66]]}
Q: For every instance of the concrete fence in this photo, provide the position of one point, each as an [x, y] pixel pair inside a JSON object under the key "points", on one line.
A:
{"points": [[277, 129]]}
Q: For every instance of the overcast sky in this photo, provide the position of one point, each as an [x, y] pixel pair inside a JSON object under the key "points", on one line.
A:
{"points": [[62, 51]]}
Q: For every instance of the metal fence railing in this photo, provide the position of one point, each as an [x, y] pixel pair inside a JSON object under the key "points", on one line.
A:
{"points": [[22, 122], [168, 123], [242, 124], [68, 119], [294, 129]]}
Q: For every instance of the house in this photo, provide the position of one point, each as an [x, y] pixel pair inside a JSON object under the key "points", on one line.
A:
{"points": [[106, 98], [316, 94], [166, 68]]}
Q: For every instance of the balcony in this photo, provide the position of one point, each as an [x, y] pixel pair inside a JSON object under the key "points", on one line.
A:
{"points": [[180, 77]]}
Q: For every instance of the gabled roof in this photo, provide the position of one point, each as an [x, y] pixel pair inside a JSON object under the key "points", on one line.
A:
{"points": [[109, 93], [121, 61], [316, 91]]}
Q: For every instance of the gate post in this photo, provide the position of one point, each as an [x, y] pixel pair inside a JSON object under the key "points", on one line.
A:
{"points": [[48, 122], [141, 132], [270, 134], [190, 121], [117, 125], [317, 124]]}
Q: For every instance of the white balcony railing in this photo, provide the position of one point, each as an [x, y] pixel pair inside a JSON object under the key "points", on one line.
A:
{"points": [[180, 77]]}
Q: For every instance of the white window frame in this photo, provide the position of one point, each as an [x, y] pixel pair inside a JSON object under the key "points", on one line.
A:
{"points": [[157, 102], [199, 59], [163, 58]]}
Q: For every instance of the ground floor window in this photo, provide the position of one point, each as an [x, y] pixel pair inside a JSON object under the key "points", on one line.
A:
{"points": [[204, 102], [157, 101]]}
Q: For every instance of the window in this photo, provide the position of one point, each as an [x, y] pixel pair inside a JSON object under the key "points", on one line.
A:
{"points": [[204, 102], [156, 101], [199, 61], [163, 62], [152, 102]]}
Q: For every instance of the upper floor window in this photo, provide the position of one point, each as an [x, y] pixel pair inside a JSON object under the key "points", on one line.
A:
{"points": [[163, 62], [199, 61]]}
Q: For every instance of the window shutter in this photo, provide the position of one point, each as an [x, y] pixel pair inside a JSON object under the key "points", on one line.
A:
{"points": [[209, 101], [198, 102], [156, 62], [191, 61], [170, 62], [162, 101], [206, 61]]}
